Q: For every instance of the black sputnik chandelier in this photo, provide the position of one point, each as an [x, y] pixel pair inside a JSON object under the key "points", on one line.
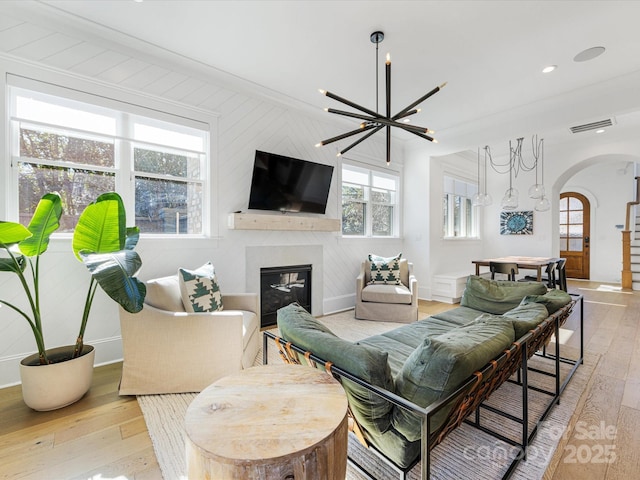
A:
{"points": [[373, 122]]}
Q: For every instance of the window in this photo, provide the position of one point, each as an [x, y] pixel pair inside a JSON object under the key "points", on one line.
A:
{"points": [[83, 149], [459, 218], [369, 202]]}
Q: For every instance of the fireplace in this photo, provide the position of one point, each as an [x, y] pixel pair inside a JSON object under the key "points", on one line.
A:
{"points": [[280, 286]]}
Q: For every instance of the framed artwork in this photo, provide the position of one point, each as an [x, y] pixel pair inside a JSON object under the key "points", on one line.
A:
{"points": [[516, 223]]}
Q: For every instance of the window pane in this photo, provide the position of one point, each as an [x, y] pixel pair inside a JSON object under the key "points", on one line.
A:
{"points": [[353, 215], [575, 230], [352, 175], [575, 216], [164, 206], [574, 204], [352, 192], [380, 196], [575, 244], [77, 188], [164, 136], [71, 116], [456, 215], [51, 146], [150, 161], [564, 230], [382, 220]]}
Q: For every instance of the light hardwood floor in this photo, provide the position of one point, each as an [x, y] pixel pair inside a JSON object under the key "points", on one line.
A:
{"points": [[103, 436]]}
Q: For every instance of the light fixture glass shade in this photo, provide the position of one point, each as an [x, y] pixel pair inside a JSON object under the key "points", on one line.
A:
{"points": [[542, 205], [478, 200], [536, 190], [510, 199], [488, 200]]}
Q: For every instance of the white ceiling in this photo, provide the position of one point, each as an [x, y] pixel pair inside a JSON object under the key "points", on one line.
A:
{"points": [[491, 53]]}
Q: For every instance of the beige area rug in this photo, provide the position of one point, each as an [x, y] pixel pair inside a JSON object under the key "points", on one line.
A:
{"points": [[467, 453]]}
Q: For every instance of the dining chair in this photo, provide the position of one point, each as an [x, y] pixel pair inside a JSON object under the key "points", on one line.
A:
{"points": [[561, 283], [509, 269], [555, 275]]}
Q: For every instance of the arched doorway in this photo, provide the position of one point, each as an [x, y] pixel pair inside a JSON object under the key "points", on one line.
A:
{"points": [[575, 233]]}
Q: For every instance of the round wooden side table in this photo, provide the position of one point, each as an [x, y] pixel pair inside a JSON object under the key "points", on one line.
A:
{"points": [[281, 422]]}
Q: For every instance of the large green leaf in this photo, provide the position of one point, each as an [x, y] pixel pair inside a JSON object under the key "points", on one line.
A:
{"points": [[9, 265], [101, 227], [11, 233], [45, 221], [115, 271]]}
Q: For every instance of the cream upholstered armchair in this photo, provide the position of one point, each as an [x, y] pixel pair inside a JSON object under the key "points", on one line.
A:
{"points": [[387, 302], [169, 350]]}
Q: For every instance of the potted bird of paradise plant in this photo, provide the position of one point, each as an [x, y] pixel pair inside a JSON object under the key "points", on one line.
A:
{"points": [[53, 378]]}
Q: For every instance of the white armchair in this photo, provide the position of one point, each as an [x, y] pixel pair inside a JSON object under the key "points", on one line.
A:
{"points": [[388, 303], [168, 350]]}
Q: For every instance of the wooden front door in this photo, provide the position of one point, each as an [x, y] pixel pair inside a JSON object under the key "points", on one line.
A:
{"points": [[574, 234]]}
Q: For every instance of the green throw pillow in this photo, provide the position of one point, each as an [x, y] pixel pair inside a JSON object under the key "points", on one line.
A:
{"points": [[199, 289], [385, 270], [554, 300]]}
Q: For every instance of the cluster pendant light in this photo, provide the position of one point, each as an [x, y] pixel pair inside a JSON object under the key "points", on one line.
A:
{"points": [[516, 164], [373, 121]]}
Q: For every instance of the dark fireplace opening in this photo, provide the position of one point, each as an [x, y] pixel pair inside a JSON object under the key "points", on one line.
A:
{"points": [[280, 286]]}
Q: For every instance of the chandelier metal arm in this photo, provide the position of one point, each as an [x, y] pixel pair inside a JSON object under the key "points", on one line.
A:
{"points": [[362, 139], [346, 135], [421, 135], [402, 112], [380, 120], [350, 103]]}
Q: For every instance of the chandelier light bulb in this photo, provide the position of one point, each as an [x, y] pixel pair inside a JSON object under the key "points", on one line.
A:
{"points": [[536, 191], [487, 200], [478, 200], [388, 58]]}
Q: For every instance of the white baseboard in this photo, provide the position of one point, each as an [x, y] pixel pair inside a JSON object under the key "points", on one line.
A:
{"points": [[108, 350], [338, 304]]}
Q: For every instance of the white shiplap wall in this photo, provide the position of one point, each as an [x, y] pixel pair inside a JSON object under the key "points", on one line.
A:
{"points": [[248, 119]]}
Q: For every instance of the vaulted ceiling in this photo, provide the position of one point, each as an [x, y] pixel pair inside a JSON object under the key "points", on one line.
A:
{"points": [[490, 53]]}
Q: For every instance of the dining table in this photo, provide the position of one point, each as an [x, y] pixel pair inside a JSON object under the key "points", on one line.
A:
{"points": [[524, 263]]}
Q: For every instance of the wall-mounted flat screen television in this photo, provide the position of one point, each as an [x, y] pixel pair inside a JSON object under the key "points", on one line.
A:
{"points": [[288, 184]]}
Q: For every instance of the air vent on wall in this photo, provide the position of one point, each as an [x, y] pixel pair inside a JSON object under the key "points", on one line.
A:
{"points": [[593, 125]]}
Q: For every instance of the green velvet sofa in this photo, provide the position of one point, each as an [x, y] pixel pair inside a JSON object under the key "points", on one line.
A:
{"points": [[409, 387]]}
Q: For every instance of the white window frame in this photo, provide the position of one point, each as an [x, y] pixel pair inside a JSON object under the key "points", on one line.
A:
{"points": [[465, 189], [154, 111], [372, 172]]}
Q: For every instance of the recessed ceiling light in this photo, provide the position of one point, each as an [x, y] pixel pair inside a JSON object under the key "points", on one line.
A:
{"points": [[549, 68], [601, 130], [589, 54]]}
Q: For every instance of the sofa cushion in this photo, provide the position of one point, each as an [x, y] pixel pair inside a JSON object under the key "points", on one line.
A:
{"points": [[386, 294], [385, 270], [526, 317], [368, 363], [164, 293], [497, 296], [199, 289], [442, 363], [554, 300], [458, 316]]}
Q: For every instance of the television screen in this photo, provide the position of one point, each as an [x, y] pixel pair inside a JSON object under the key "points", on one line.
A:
{"points": [[288, 184]]}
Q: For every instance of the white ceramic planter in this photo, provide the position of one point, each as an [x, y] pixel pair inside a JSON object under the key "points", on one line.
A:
{"points": [[48, 387]]}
